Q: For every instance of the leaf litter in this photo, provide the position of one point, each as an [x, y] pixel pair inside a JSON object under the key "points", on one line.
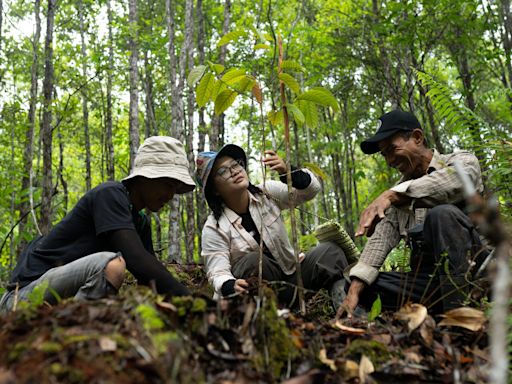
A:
{"points": [[139, 337]]}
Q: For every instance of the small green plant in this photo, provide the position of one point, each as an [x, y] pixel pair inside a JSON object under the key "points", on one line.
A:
{"points": [[376, 309]]}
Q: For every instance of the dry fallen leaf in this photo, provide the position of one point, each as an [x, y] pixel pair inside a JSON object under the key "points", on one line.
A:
{"points": [[414, 314], [427, 329], [465, 317], [350, 370], [365, 368], [344, 328], [107, 344], [325, 360]]}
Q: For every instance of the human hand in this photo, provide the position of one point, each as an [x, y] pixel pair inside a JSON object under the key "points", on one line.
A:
{"points": [[241, 286], [350, 303], [374, 213], [271, 159]]}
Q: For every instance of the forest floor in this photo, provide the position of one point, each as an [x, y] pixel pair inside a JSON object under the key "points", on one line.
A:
{"points": [[140, 338]]}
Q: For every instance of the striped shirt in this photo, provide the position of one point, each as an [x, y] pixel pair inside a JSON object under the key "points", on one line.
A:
{"points": [[440, 185]]}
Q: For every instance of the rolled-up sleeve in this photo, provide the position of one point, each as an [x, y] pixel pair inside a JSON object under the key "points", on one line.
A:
{"points": [[215, 253], [279, 191], [383, 240], [443, 185]]}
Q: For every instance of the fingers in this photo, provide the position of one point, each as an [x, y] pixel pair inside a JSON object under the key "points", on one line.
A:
{"points": [[343, 311], [241, 286], [272, 160]]}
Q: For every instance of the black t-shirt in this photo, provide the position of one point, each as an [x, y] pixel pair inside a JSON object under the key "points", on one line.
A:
{"points": [[82, 232]]}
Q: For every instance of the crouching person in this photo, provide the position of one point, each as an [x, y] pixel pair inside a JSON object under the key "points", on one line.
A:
{"points": [[245, 216], [86, 253]]}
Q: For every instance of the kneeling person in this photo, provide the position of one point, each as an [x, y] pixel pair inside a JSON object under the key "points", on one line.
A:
{"points": [[86, 253]]}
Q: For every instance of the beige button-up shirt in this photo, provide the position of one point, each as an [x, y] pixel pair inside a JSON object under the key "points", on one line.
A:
{"points": [[226, 241], [441, 185]]}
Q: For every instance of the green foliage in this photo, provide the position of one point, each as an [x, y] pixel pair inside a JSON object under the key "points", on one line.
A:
{"points": [[150, 317], [376, 309]]}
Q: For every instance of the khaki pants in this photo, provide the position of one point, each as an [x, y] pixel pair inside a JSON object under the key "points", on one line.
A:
{"points": [[322, 266]]}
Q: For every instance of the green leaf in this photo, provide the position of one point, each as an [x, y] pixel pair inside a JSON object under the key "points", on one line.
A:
{"points": [[230, 36], [262, 46], [310, 112], [204, 89], [217, 68], [246, 83], [276, 117], [290, 82], [233, 76], [224, 100], [292, 66], [195, 74], [296, 112], [268, 37], [376, 309], [316, 170], [321, 96], [218, 87]]}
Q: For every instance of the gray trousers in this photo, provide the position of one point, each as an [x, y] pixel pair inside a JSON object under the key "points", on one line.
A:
{"points": [[83, 278], [440, 262], [322, 266]]}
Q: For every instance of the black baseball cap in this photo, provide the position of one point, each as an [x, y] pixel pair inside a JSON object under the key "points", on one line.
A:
{"points": [[389, 124]]}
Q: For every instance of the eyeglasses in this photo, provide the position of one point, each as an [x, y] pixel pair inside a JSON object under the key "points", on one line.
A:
{"points": [[227, 171]]}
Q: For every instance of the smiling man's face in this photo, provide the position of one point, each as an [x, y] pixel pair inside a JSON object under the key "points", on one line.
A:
{"points": [[404, 153]]}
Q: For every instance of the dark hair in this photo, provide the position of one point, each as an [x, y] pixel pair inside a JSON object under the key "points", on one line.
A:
{"points": [[215, 202], [407, 135]]}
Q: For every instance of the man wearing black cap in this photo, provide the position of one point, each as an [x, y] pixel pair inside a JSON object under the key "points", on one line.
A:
{"points": [[427, 208]]}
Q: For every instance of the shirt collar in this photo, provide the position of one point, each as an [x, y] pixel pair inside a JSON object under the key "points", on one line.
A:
{"points": [[436, 163], [232, 216]]}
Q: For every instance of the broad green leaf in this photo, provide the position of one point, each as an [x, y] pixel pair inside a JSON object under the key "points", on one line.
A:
{"points": [[218, 87], [290, 82], [310, 112], [321, 96], [296, 113], [224, 100], [376, 309], [204, 89], [316, 170], [230, 36], [262, 46], [268, 37], [233, 76], [292, 66], [276, 117], [246, 83], [217, 68], [195, 74]]}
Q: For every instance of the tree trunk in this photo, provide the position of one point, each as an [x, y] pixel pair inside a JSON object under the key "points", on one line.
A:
{"points": [[201, 208], [134, 81], [85, 107], [108, 121], [506, 17], [46, 126], [217, 125], [150, 109], [28, 152], [60, 172]]}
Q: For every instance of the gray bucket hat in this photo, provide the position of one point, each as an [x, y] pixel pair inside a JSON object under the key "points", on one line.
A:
{"points": [[163, 156]]}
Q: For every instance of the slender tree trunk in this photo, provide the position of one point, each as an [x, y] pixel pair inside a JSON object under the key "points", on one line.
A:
{"points": [[1, 24], [46, 127], [191, 222], [28, 152], [60, 172], [217, 130], [134, 82], [173, 63], [150, 109], [108, 120], [12, 215], [201, 128], [506, 17], [85, 106]]}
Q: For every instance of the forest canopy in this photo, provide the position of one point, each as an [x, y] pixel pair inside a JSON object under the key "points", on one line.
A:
{"points": [[84, 82]]}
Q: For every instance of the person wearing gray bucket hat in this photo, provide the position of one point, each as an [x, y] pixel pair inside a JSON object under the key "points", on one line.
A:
{"points": [[427, 208], [85, 255], [246, 220]]}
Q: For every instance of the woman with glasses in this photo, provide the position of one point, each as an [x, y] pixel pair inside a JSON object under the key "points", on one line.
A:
{"points": [[246, 219]]}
